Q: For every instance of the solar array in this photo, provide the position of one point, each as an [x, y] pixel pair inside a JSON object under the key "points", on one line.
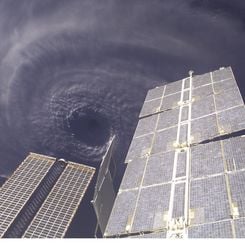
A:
{"points": [[104, 194], [185, 174], [52, 188], [19, 187]]}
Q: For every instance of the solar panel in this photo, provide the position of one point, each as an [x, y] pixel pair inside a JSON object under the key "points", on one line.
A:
{"points": [[212, 230], [232, 120], [151, 206], [237, 183], [122, 213], [134, 173], [209, 200], [164, 140], [155, 93], [152, 235], [104, 194], [222, 74], [179, 201], [172, 88], [170, 102], [140, 147], [202, 92], [150, 107], [203, 107], [228, 99], [146, 125], [206, 159], [201, 80], [185, 165], [168, 119], [159, 169], [19, 187], [240, 228], [234, 153], [56, 213]]}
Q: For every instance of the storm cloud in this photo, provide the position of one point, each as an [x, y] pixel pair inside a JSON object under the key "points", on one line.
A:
{"points": [[75, 73]]}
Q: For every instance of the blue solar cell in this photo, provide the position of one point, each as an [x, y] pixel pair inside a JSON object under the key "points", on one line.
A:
{"points": [[213, 230]]}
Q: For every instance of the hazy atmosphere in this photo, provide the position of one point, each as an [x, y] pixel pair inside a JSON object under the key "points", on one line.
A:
{"points": [[75, 73]]}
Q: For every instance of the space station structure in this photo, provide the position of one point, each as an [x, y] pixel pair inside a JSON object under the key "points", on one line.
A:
{"points": [[41, 197], [185, 175]]}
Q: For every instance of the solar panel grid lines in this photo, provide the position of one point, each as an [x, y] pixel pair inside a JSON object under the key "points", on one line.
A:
{"points": [[141, 182], [16, 198], [227, 183], [49, 225], [155, 93], [205, 148], [56, 213], [41, 222]]}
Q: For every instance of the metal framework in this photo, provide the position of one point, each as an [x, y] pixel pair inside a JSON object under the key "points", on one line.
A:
{"points": [[41, 197], [185, 174]]}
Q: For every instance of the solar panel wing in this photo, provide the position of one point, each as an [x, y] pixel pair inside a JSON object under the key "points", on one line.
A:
{"points": [[19, 187], [188, 138], [56, 213]]}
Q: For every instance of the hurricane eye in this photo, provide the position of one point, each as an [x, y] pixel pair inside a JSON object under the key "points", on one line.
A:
{"points": [[88, 126]]}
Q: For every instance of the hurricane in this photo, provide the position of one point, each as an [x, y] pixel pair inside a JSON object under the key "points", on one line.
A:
{"points": [[73, 75]]}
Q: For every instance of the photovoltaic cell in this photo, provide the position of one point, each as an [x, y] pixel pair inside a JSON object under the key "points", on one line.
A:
{"points": [[222, 74], [164, 140], [55, 215], [122, 212], [29, 210], [201, 80], [206, 159], [209, 200], [20, 186], [152, 205], [234, 152], [184, 113], [183, 133], [104, 166], [237, 183], [204, 128], [186, 95], [221, 87], [168, 119], [203, 107], [159, 168], [146, 125], [134, 173], [179, 200], [187, 83], [181, 164], [213, 230], [240, 228], [103, 202], [228, 99], [139, 147], [170, 102], [150, 107], [104, 194], [173, 87], [213, 155], [202, 92], [232, 120], [155, 93]]}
